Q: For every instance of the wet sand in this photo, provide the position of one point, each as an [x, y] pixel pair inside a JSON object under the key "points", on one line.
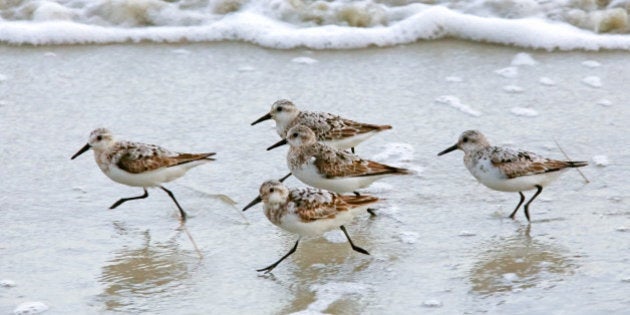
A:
{"points": [[440, 244]]}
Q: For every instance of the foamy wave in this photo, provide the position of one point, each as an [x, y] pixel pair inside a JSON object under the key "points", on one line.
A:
{"points": [[337, 24]]}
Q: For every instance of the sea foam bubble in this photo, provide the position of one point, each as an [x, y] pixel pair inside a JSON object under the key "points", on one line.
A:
{"points": [[29, 308], [454, 102], [334, 24]]}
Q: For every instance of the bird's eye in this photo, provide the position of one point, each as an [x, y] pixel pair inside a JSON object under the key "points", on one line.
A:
{"points": [[271, 190], [99, 138], [295, 135], [465, 139], [279, 109]]}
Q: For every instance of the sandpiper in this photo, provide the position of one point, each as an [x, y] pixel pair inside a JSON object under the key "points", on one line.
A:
{"points": [[139, 164], [508, 170], [322, 166], [331, 129], [309, 212]]}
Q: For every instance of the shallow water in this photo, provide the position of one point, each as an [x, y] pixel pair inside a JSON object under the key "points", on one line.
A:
{"points": [[440, 244]]}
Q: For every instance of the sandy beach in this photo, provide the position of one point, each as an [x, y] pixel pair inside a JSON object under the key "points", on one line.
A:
{"points": [[441, 243]]}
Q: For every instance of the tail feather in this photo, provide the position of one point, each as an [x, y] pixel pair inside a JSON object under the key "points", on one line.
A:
{"points": [[184, 158], [208, 156], [357, 201], [382, 169]]}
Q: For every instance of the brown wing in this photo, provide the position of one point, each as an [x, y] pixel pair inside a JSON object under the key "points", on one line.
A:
{"points": [[515, 169], [522, 163], [343, 164], [139, 158], [313, 204], [358, 201], [350, 128]]}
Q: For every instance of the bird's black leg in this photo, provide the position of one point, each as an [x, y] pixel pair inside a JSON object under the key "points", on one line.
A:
{"points": [[121, 200], [518, 205], [354, 247], [369, 210], [182, 213], [530, 201], [270, 267]]}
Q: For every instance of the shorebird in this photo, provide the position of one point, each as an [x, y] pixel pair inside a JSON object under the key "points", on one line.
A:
{"points": [[331, 129], [322, 166], [309, 212], [139, 164], [508, 170]]}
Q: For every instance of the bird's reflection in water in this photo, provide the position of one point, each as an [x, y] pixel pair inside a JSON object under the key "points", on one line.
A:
{"points": [[321, 278], [519, 262], [138, 277]]}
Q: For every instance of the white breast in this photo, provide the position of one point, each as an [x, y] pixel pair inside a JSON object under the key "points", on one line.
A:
{"points": [[309, 174], [492, 177], [292, 223]]}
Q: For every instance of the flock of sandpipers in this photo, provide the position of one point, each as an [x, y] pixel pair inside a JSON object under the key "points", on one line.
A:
{"points": [[321, 155]]}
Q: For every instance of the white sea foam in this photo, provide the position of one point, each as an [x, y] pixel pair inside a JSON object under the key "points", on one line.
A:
{"points": [[379, 188], [304, 60], [513, 89], [523, 111], [181, 51], [592, 81], [28, 308], [601, 160], [335, 236], [408, 237], [466, 233], [395, 152], [604, 102], [432, 303], [591, 63], [328, 293], [3, 77], [246, 69], [338, 24], [523, 59], [6, 283], [510, 277], [454, 79], [509, 72], [454, 102], [400, 155], [547, 81]]}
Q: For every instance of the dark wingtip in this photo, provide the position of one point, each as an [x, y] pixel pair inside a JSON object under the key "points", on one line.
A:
{"points": [[577, 163], [209, 156]]}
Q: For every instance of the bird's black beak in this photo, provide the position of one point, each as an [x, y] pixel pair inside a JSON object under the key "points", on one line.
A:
{"points": [[253, 203], [278, 144], [263, 118], [285, 177], [449, 149], [85, 148]]}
